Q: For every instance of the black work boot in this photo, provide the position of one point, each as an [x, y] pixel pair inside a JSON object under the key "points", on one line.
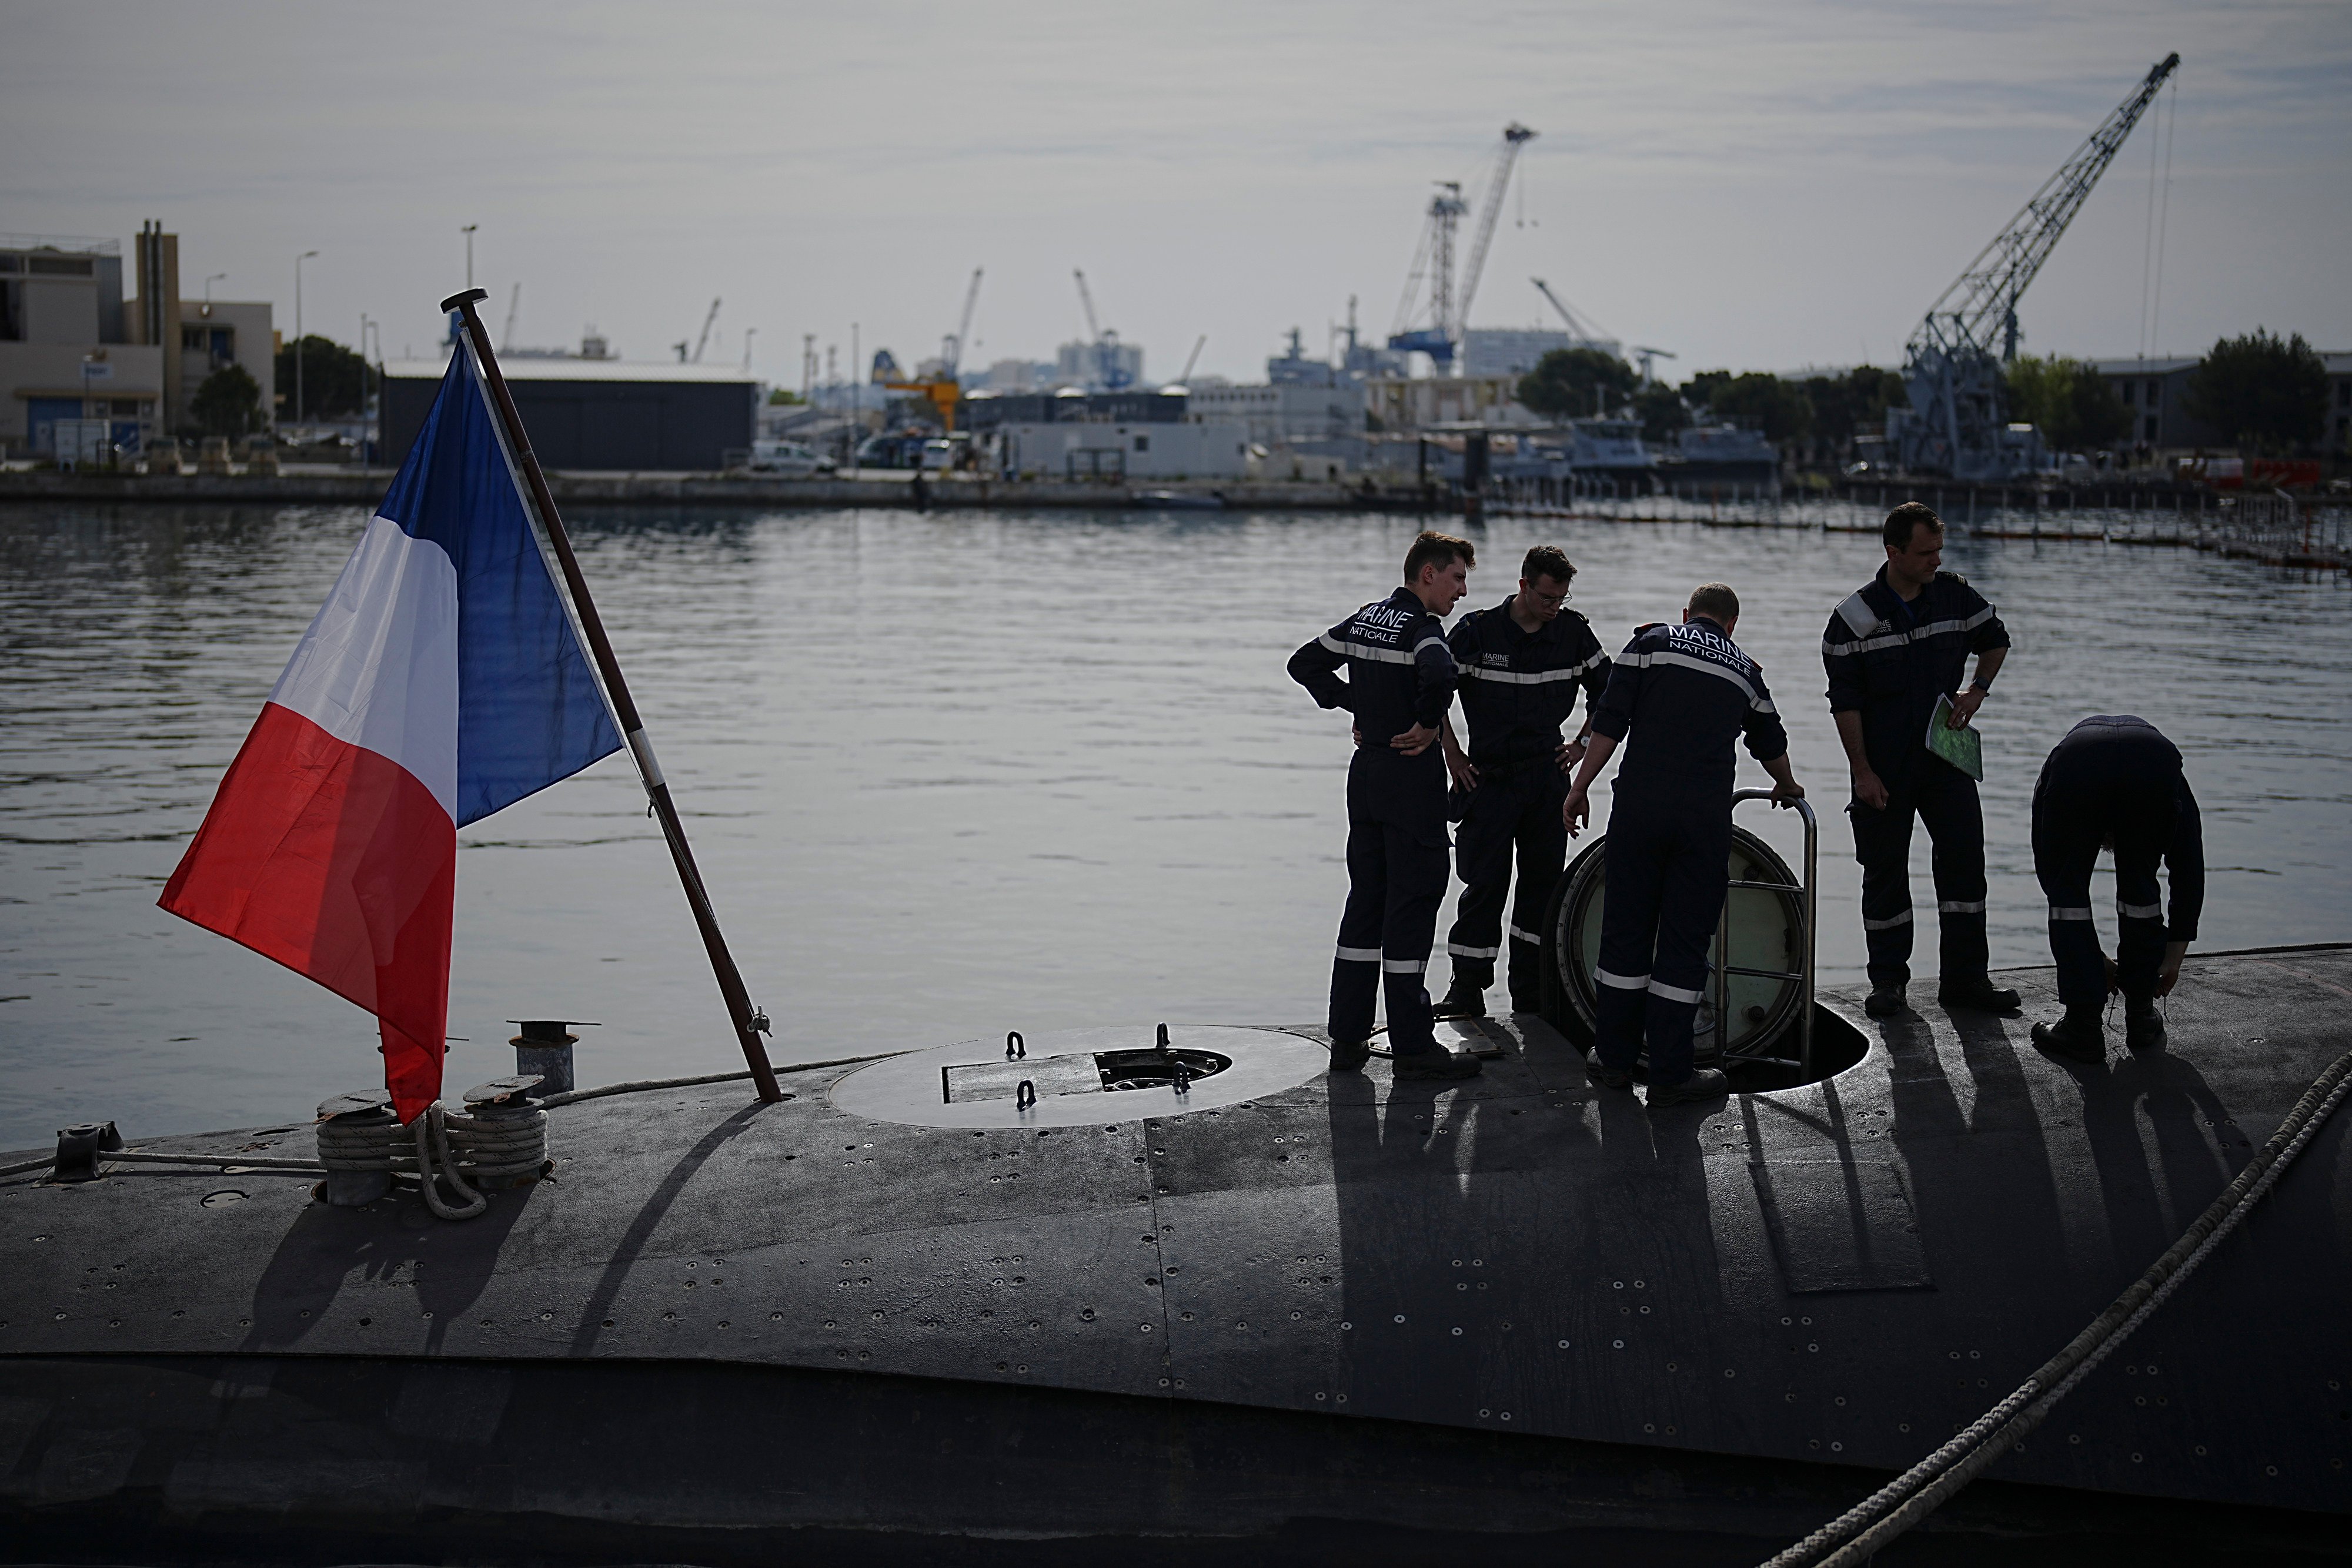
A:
{"points": [[1707, 1084], [2143, 1025], [1884, 1002], [2077, 1037], [1462, 1000], [1976, 992], [1440, 1063], [1350, 1055], [1603, 1076]]}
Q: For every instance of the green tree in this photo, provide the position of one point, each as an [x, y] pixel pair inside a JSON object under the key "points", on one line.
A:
{"points": [[1572, 383], [229, 402], [1662, 411], [784, 397], [334, 379], [1763, 403], [1842, 405], [1700, 390], [2074, 405], [2262, 393]]}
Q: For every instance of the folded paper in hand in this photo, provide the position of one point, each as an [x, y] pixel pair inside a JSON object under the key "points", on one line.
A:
{"points": [[1963, 749]]}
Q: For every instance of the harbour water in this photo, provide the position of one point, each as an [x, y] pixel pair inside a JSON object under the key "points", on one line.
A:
{"points": [[953, 773]]}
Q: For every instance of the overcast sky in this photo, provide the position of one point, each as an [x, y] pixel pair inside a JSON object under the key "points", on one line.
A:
{"points": [[1752, 186]]}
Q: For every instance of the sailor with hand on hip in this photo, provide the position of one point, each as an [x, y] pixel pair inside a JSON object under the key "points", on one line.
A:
{"points": [[1400, 680], [1522, 664], [1685, 693], [1893, 648], [2117, 783]]}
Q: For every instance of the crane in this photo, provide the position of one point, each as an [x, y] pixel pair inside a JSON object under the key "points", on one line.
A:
{"points": [[1192, 359], [1449, 309], [952, 350], [1588, 332], [1646, 358], [514, 305], [1108, 370], [703, 342], [1953, 366]]}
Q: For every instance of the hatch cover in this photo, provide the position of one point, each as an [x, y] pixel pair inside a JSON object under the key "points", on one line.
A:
{"points": [[1081, 1072], [1078, 1076]]}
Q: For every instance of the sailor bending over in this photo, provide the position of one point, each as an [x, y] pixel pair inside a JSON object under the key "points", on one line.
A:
{"points": [[1400, 680], [2116, 783], [1522, 664], [1683, 692]]}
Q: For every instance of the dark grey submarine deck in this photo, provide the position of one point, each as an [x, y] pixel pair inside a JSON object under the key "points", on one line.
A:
{"points": [[1343, 1317]]}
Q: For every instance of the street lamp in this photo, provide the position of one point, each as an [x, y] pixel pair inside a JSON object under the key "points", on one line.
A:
{"points": [[215, 278], [298, 332], [749, 333], [469, 231]]}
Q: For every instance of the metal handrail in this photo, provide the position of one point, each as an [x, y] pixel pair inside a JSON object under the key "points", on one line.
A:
{"points": [[1804, 976]]}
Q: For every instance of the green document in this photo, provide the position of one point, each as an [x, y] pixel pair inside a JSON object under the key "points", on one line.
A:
{"points": [[1963, 749]]}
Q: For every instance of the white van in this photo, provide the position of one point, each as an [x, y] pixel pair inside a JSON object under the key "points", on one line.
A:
{"points": [[789, 458]]}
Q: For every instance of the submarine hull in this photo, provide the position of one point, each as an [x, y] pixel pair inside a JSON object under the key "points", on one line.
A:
{"points": [[1299, 1314]]}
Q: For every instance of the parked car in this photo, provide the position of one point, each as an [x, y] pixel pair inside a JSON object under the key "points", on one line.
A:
{"points": [[789, 458]]}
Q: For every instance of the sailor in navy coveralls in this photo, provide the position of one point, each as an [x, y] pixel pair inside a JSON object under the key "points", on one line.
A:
{"points": [[1685, 691], [1522, 664], [2117, 782], [1399, 681], [1891, 649]]}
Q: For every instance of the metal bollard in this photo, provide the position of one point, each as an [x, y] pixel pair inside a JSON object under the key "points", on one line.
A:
{"points": [[369, 1108], [544, 1047], [78, 1148]]}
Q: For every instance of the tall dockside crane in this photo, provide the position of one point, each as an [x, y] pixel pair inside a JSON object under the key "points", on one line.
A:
{"points": [[1449, 308], [1953, 367], [1583, 327], [1110, 372], [952, 350]]}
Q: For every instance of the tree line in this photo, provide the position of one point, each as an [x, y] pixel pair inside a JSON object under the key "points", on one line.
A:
{"points": [[2266, 394], [335, 384]]}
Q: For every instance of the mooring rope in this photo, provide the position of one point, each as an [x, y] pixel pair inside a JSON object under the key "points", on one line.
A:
{"points": [[432, 1132], [1923, 1489]]}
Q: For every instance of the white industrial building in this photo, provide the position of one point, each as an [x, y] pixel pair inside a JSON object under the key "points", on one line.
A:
{"points": [[1210, 449], [1282, 413]]}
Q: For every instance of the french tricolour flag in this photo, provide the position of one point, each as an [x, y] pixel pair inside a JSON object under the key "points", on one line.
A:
{"points": [[441, 681]]}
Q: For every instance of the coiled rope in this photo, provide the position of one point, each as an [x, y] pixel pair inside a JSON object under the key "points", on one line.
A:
{"points": [[442, 1143], [1922, 1489]]}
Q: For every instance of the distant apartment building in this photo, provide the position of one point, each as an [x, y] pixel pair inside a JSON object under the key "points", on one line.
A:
{"points": [[1016, 376], [1515, 351], [1106, 363], [74, 347], [2156, 391]]}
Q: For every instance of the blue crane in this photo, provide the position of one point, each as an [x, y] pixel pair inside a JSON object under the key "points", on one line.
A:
{"points": [[1958, 420], [1449, 311]]}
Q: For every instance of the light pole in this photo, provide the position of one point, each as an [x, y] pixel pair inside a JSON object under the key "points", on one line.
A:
{"points": [[749, 333], [298, 332], [469, 231], [215, 278]]}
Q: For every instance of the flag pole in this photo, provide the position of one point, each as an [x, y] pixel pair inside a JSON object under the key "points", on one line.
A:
{"points": [[748, 1023]]}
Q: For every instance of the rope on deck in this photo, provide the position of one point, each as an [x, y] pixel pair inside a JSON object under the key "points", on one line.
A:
{"points": [[1922, 1489]]}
